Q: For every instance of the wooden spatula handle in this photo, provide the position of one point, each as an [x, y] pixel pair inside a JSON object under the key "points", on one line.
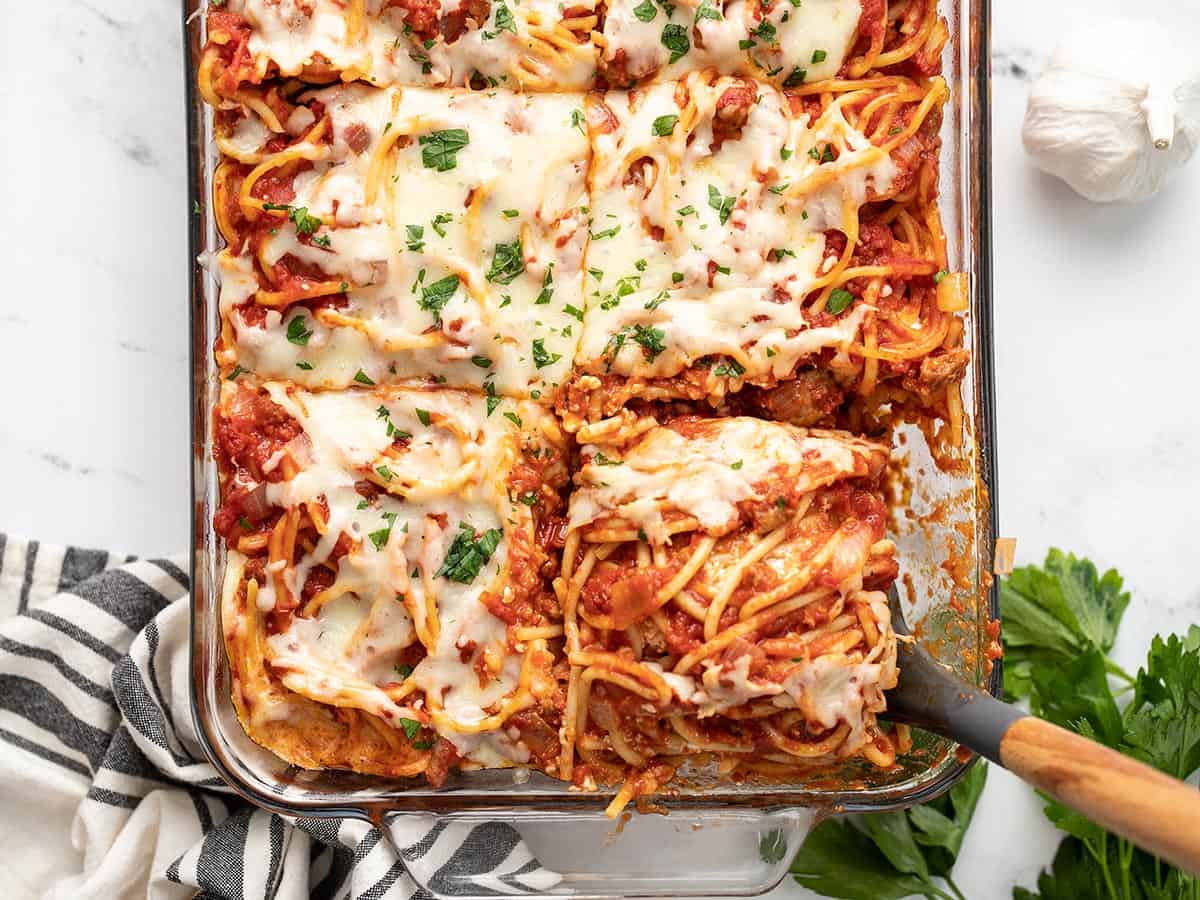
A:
{"points": [[1129, 798]]}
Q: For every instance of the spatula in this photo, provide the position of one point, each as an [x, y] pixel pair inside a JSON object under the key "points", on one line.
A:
{"points": [[1158, 813]]}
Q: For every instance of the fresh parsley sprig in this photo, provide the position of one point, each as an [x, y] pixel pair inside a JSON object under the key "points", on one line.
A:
{"points": [[887, 856]]}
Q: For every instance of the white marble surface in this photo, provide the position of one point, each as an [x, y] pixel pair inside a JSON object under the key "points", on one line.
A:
{"points": [[1096, 318]]}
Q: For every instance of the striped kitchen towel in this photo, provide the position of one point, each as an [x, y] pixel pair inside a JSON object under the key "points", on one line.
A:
{"points": [[105, 792]]}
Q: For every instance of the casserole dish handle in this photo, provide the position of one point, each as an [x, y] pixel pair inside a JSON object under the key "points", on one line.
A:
{"points": [[689, 853]]}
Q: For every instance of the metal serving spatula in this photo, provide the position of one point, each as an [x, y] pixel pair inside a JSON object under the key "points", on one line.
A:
{"points": [[1158, 813]]}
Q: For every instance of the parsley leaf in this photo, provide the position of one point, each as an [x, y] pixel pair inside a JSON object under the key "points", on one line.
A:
{"points": [[411, 727], [439, 150], [439, 223], [541, 356], [415, 233], [507, 263], [297, 332], [504, 18], [1055, 614], [838, 301], [1162, 722], [675, 38], [888, 856], [664, 125], [723, 205], [795, 78], [434, 297], [650, 340], [706, 10], [468, 554], [645, 11]]}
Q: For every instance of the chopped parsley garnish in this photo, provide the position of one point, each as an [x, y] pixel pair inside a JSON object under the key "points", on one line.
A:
{"points": [[297, 333], [382, 412], [598, 274], [411, 727], [731, 369], [645, 11], [706, 10], [514, 418], [362, 378], [688, 210], [795, 77], [606, 233], [822, 155], [510, 213], [573, 311], [940, 276], [723, 205], [384, 472], [640, 265], [504, 21], [380, 538], [507, 263], [403, 670], [839, 300], [547, 286], [541, 356], [493, 401], [245, 523], [779, 188], [529, 498], [664, 125], [439, 150], [676, 277], [439, 223], [601, 460], [423, 416], [779, 253], [657, 301], [482, 361], [306, 366], [415, 235], [735, 466], [434, 297], [577, 121], [785, 153], [819, 56], [650, 339], [675, 38], [323, 240], [298, 216], [765, 31]]}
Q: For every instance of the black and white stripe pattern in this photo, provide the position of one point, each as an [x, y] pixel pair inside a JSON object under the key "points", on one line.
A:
{"points": [[94, 702]]}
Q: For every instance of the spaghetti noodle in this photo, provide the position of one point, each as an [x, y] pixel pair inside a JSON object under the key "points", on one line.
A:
{"points": [[550, 336]]}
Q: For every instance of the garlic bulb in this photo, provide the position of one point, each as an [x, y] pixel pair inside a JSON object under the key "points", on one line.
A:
{"points": [[1116, 112]]}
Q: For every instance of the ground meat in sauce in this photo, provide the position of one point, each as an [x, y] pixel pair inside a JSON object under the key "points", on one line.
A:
{"points": [[471, 13], [732, 112]]}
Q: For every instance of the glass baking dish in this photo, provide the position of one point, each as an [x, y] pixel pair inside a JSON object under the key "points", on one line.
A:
{"points": [[713, 839]]}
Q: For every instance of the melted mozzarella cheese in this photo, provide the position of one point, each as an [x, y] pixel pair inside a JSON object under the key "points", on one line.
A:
{"points": [[296, 34], [453, 470], [713, 287], [695, 475], [515, 188], [813, 37]]}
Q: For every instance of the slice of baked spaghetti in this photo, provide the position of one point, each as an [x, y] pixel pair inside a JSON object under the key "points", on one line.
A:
{"points": [[385, 605], [404, 235], [722, 590]]}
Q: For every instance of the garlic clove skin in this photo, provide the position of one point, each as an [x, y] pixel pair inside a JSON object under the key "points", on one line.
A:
{"points": [[1116, 112]]}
